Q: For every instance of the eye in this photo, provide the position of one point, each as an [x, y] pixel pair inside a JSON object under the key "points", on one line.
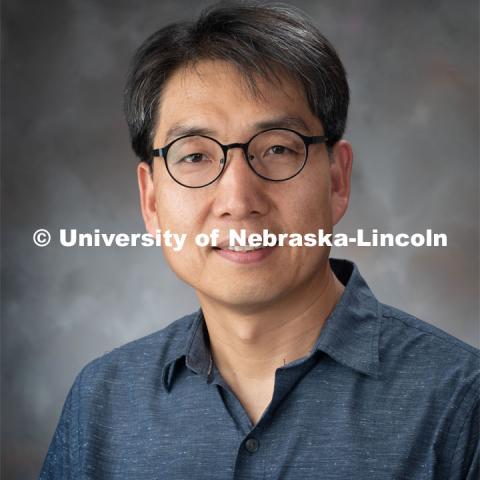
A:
{"points": [[278, 149], [193, 158]]}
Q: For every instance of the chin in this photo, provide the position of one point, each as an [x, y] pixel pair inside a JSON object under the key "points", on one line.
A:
{"points": [[247, 297]]}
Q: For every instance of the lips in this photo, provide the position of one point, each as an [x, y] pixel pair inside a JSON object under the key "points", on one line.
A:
{"points": [[237, 248], [247, 255], [224, 244], [244, 255]]}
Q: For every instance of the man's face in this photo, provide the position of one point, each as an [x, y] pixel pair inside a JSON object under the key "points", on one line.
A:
{"points": [[213, 96]]}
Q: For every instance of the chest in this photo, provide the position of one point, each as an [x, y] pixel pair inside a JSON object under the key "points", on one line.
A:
{"points": [[313, 427]]}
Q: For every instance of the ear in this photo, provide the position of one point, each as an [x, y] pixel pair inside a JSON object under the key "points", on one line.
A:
{"points": [[340, 173], [147, 197]]}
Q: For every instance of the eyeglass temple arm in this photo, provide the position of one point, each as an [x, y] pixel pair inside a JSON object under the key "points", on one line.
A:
{"points": [[317, 139], [158, 152]]}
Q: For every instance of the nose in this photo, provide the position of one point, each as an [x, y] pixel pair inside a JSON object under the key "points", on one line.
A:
{"points": [[239, 193]]}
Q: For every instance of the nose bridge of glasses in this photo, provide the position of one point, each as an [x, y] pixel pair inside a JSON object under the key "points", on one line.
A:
{"points": [[230, 146]]}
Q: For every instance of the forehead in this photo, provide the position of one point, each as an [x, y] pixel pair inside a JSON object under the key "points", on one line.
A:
{"points": [[214, 94]]}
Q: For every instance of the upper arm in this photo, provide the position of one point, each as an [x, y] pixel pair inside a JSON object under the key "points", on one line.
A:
{"points": [[61, 461], [465, 463]]}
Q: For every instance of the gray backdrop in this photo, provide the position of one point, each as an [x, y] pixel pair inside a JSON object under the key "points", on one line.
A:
{"points": [[413, 71]]}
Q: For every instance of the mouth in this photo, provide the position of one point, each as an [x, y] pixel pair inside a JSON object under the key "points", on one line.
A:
{"points": [[237, 248], [225, 244], [245, 254]]}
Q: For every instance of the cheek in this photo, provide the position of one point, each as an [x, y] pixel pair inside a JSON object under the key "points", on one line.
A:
{"points": [[309, 207], [176, 210], [188, 262], [179, 213]]}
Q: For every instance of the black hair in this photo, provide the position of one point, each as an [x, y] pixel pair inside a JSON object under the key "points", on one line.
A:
{"points": [[259, 39]]}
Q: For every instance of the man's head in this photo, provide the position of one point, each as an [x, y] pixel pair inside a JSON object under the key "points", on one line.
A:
{"points": [[260, 40], [232, 74]]}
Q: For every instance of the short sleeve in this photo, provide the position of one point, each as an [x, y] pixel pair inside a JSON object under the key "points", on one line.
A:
{"points": [[466, 458], [61, 462]]}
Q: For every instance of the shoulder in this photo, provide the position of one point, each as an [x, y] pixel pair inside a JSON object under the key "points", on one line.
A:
{"points": [[141, 360], [437, 376], [427, 355], [424, 338], [435, 379]]}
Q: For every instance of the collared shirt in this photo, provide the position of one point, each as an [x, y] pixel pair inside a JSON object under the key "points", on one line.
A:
{"points": [[382, 395]]}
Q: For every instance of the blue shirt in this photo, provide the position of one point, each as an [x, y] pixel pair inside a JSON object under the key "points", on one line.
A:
{"points": [[382, 395]]}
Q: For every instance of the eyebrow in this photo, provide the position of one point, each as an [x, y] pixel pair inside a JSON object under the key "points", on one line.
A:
{"points": [[283, 122], [179, 130]]}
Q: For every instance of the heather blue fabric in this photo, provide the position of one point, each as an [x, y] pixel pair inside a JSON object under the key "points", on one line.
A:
{"points": [[382, 395]]}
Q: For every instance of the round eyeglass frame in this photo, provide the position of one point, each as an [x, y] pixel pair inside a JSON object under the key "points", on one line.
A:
{"points": [[307, 140]]}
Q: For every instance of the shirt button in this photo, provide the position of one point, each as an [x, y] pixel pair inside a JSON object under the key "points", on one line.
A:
{"points": [[251, 445]]}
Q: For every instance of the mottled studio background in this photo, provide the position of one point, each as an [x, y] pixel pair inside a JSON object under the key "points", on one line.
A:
{"points": [[66, 162]]}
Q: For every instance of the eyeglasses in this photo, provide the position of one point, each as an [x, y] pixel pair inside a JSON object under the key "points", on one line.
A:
{"points": [[276, 154]]}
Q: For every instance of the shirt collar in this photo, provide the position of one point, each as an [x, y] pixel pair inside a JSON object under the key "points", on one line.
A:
{"points": [[350, 334]]}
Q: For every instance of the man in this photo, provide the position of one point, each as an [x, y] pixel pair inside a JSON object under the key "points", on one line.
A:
{"points": [[291, 368]]}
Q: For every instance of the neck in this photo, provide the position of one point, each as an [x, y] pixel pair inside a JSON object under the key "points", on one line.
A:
{"points": [[253, 345]]}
